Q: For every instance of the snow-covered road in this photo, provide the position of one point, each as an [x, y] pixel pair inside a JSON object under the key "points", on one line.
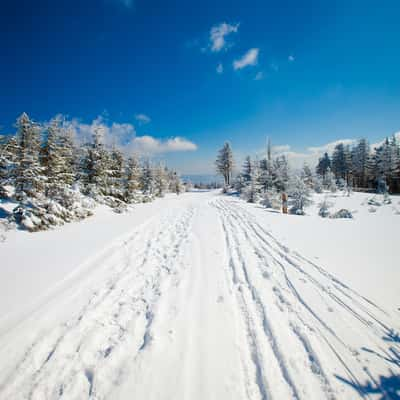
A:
{"points": [[202, 302]]}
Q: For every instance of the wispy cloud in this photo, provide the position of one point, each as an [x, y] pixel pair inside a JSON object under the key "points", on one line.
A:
{"points": [[248, 59], [142, 119], [218, 35], [291, 58], [149, 145], [310, 156], [220, 68]]}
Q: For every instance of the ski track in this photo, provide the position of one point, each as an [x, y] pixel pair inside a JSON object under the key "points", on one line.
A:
{"points": [[296, 322], [271, 271], [85, 357]]}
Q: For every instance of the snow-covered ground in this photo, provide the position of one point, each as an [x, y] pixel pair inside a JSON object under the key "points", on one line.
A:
{"points": [[203, 296]]}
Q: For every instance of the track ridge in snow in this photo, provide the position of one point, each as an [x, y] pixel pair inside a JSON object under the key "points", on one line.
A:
{"points": [[287, 284]]}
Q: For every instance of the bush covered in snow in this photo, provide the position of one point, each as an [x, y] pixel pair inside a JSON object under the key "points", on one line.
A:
{"points": [[343, 213]]}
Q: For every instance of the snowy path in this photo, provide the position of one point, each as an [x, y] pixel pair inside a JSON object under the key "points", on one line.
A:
{"points": [[202, 302]]}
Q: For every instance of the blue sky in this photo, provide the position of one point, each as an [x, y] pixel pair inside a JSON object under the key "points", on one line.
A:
{"points": [[177, 78]]}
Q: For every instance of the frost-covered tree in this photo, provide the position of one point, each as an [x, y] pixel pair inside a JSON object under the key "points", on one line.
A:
{"points": [[247, 170], [96, 163], [132, 180], [252, 190], [329, 181], [324, 164], [224, 163], [341, 162], [266, 175], [307, 176], [116, 172], [147, 179], [299, 195], [359, 158], [30, 180], [280, 172], [160, 180]]}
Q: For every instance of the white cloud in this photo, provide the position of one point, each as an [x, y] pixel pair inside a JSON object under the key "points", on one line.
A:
{"points": [[329, 147], [149, 145], [218, 34], [123, 135], [248, 59], [291, 58], [310, 156], [142, 119], [220, 68]]}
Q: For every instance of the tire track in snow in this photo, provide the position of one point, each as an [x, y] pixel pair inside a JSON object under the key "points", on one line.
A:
{"points": [[86, 356]]}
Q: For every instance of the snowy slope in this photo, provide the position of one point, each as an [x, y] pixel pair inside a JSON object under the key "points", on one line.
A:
{"points": [[201, 298]]}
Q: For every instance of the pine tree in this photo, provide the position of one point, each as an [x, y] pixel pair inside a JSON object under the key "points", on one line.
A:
{"points": [[247, 170], [341, 162], [299, 195], [323, 164], [30, 181], [96, 164], [224, 163], [252, 190], [132, 181], [160, 181], [115, 173], [4, 167], [266, 175], [307, 176], [52, 161], [360, 157], [280, 173], [147, 179]]}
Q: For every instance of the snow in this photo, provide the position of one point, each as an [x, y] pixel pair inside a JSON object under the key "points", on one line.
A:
{"points": [[203, 296]]}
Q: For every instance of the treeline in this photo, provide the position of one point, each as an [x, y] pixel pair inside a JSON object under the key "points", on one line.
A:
{"points": [[363, 168], [265, 179], [55, 180]]}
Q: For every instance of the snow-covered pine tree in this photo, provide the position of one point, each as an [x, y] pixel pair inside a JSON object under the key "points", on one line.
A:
{"points": [[30, 180], [360, 156], [4, 167], [160, 180], [307, 176], [299, 195], [96, 163], [51, 158], [147, 180], [224, 164], [280, 171], [252, 191], [266, 175], [115, 174], [132, 180], [247, 170], [329, 181], [323, 164], [341, 162]]}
